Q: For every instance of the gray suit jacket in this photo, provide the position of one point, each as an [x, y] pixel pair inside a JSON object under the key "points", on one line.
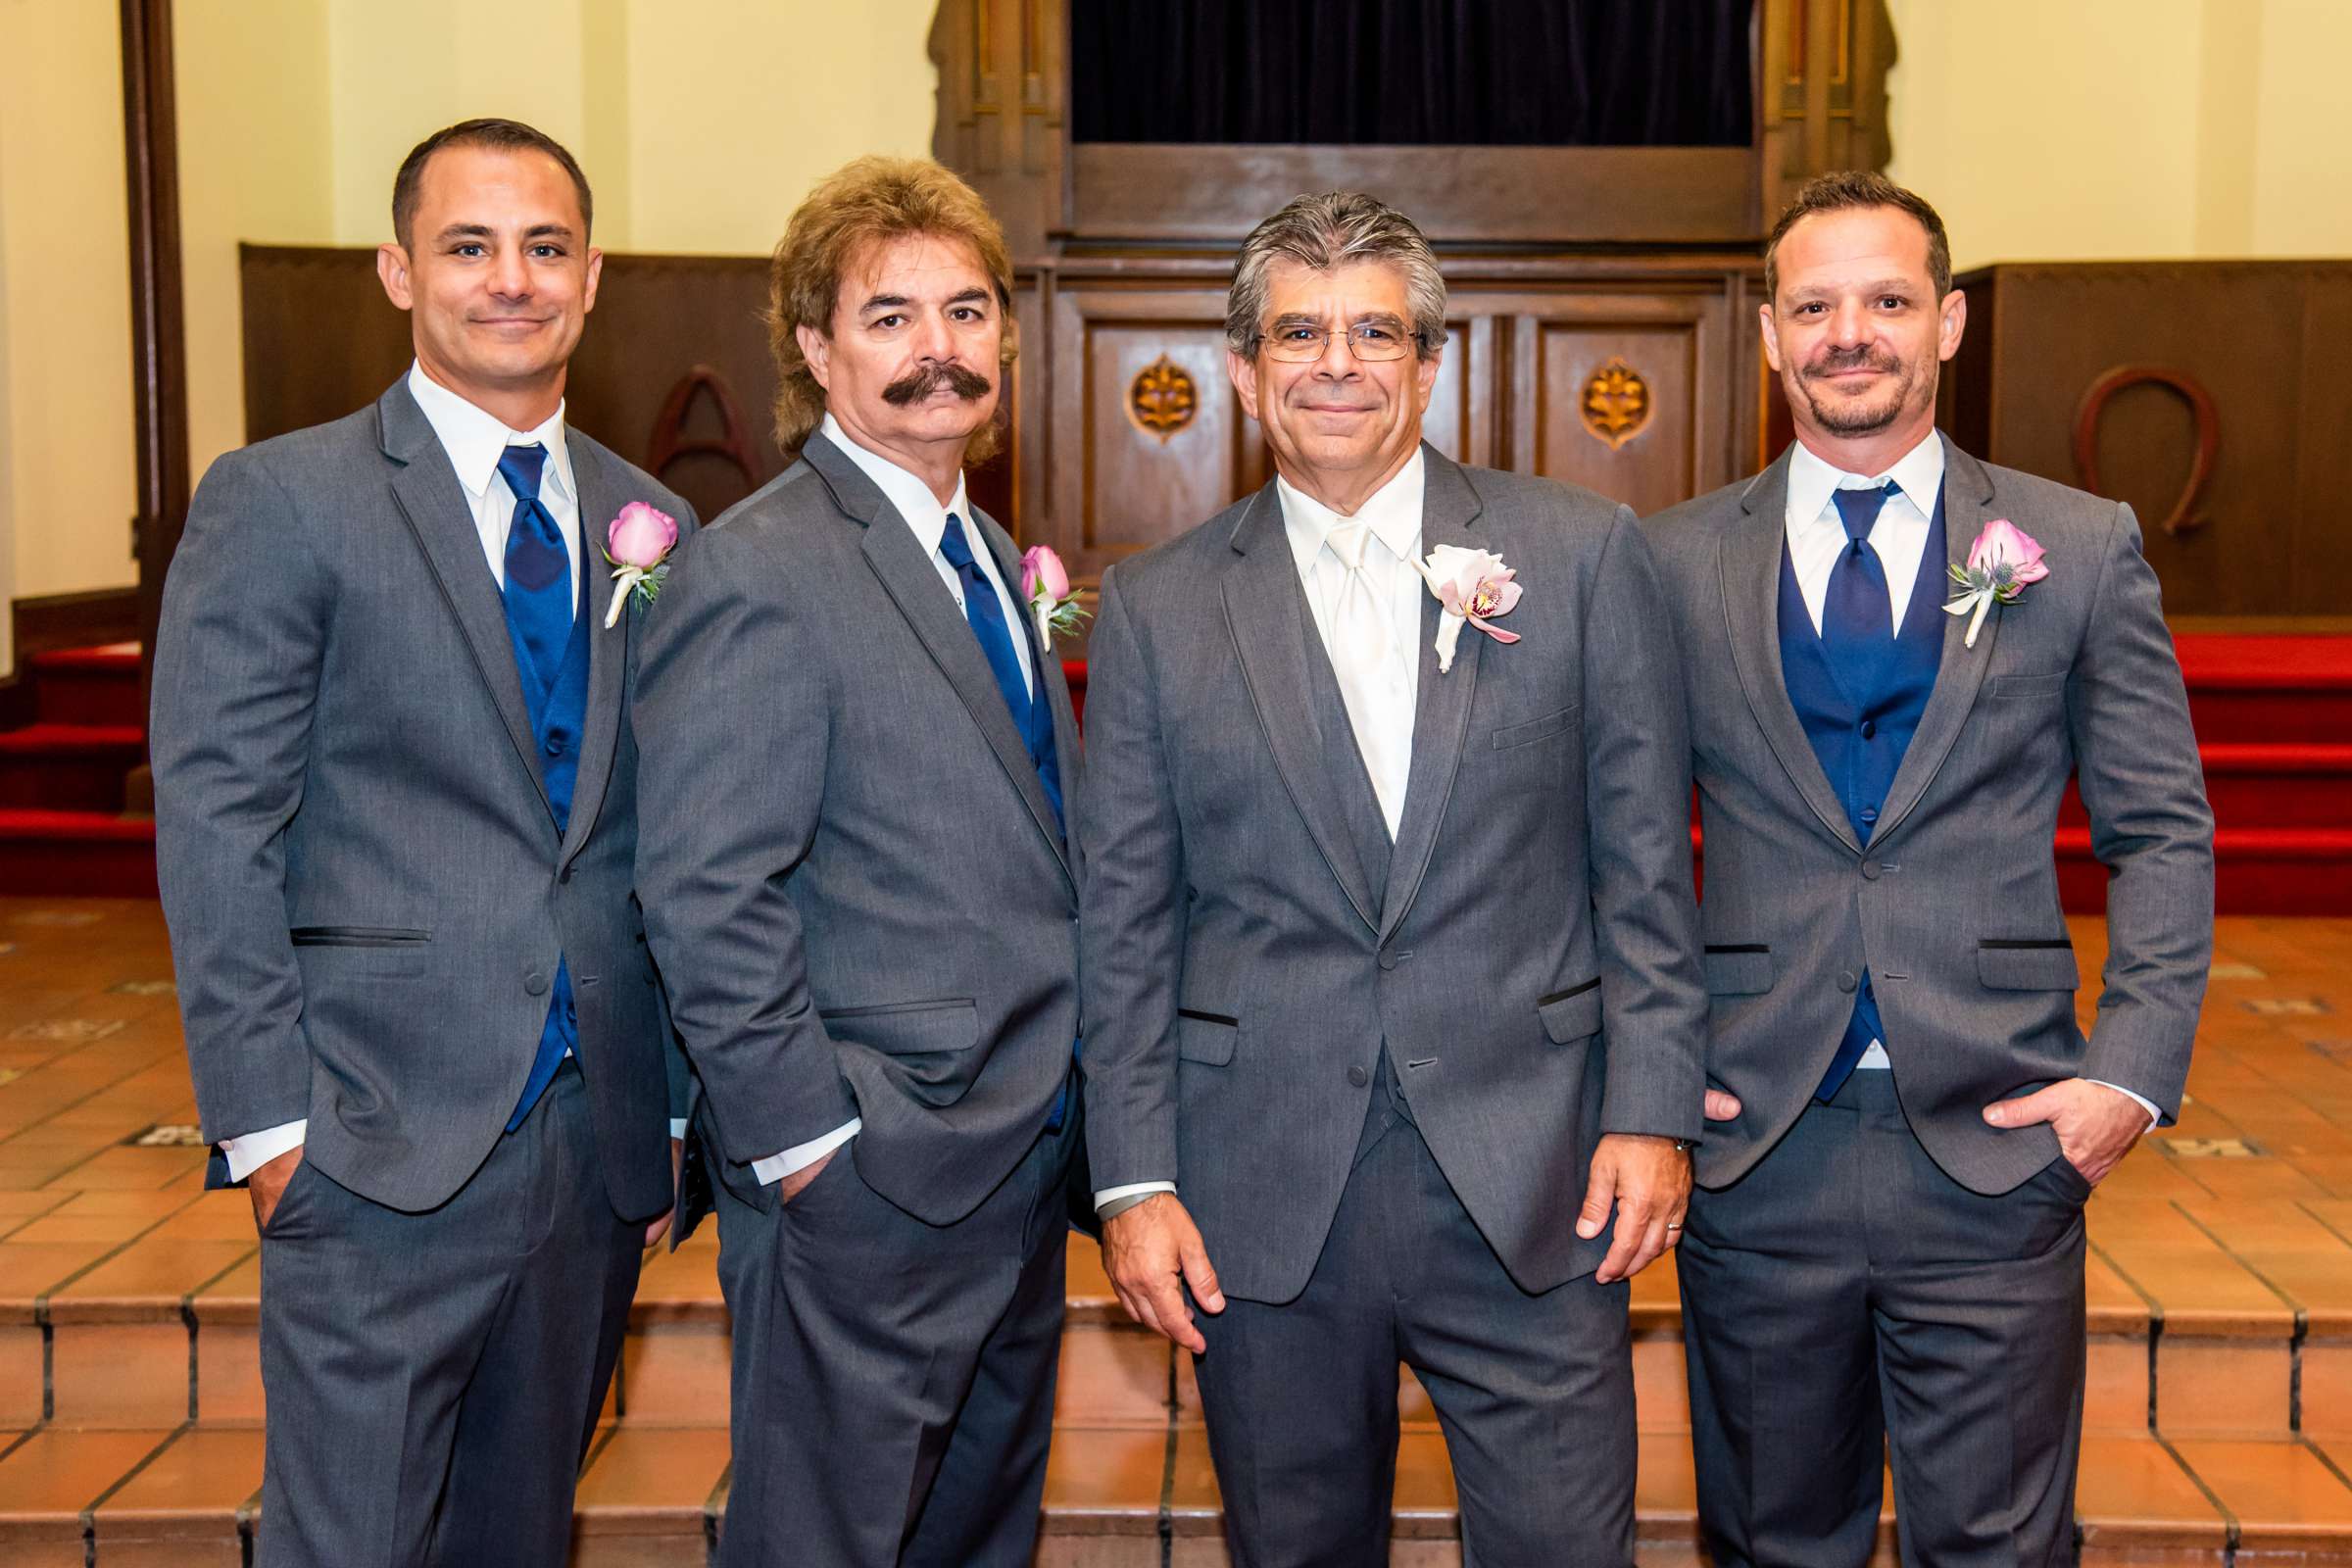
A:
{"points": [[1952, 905], [365, 890], [1532, 961], [851, 876]]}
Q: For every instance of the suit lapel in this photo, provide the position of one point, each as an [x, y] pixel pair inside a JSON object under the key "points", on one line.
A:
{"points": [[608, 649], [1262, 614], [425, 488], [1960, 670], [1749, 562], [1449, 514], [913, 583]]}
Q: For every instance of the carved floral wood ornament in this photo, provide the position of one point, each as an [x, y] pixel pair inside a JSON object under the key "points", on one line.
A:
{"points": [[1616, 404], [1162, 399]]}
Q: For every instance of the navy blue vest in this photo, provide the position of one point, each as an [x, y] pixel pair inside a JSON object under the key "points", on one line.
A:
{"points": [[558, 711], [1860, 716]]}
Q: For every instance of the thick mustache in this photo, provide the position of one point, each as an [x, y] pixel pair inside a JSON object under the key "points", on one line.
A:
{"points": [[1862, 355], [926, 379]]}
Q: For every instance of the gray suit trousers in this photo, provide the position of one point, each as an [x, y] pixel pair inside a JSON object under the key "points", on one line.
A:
{"points": [[433, 1379], [1535, 1391], [894, 1379], [1845, 1290]]}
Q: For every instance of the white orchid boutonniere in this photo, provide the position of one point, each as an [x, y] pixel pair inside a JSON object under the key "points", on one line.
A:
{"points": [[2002, 561], [1046, 585], [1474, 586], [638, 544]]}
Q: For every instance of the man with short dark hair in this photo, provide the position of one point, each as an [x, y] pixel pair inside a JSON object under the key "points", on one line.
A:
{"points": [[1894, 656], [859, 749], [396, 818], [1392, 982]]}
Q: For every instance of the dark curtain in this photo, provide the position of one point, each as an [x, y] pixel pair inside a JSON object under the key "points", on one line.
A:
{"points": [[1442, 72]]}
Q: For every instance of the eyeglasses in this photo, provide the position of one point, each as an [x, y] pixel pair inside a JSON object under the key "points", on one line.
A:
{"points": [[1298, 343]]}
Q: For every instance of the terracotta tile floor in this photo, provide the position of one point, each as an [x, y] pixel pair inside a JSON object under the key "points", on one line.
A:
{"points": [[2219, 1282]]}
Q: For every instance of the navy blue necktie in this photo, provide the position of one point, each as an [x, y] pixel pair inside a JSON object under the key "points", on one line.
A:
{"points": [[1032, 715], [538, 591], [1857, 631], [540, 606]]}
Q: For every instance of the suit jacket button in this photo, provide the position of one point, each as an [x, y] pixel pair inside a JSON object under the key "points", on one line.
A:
{"points": [[535, 983], [1358, 1077], [1846, 981], [1870, 871]]}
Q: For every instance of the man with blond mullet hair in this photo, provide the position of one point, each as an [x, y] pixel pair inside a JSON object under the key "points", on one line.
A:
{"points": [[856, 749]]}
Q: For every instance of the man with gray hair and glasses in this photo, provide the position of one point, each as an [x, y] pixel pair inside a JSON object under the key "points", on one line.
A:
{"points": [[1390, 957]]}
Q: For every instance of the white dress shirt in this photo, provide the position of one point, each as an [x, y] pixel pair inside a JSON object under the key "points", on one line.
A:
{"points": [[1817, 538], [911, 498], [474, 440], [1392, 513]]}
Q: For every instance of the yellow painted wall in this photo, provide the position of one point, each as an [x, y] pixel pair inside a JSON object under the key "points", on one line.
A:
{"points": [[2096, 129], [65, 303], [256, 164]]}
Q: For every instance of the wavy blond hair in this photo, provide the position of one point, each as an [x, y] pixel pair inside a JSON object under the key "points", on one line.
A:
{"points": [[869, 201]]}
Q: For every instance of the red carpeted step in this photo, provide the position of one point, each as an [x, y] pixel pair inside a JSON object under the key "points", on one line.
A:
{"points": [[87, 853], [88, 685], [69, 768], [2265, 786], [2287, 870], [2274, 689]]}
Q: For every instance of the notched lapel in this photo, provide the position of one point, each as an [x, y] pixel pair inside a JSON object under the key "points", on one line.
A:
{"points": [[913, 583], [1264, 614], [1748, 561], [600, 502], [425, 489], [1450, 515], [1960, 668]]}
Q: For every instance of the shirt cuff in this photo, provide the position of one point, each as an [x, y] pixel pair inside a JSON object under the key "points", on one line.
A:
{"points": [[248, 1153], [799, 1157], [677, 1129], [2141, 1100], [1135, 1190]]}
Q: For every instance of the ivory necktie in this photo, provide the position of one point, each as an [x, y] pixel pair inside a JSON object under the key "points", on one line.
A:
{"points": [[1365, 661]]}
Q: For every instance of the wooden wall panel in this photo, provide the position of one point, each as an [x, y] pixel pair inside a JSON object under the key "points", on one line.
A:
{"points": [[2263, 343]]}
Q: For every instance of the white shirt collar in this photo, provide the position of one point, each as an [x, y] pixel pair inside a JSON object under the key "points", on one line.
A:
{"points": [[1393, 512], [906, 491], [1918, 473], [475, 439]]}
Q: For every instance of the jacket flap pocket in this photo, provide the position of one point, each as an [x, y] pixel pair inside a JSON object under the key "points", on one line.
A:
{"points": [[1738, 971], [2025, 687], [1571, 1014], [908, 1028], [2031, 969], [1204, 1037], [356, 936], [1534, 729]]}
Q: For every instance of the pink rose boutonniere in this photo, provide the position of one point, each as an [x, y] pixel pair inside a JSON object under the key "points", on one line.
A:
{"points": [[1046, 586], [1474, 586], [638, 544], [2002, 561]]}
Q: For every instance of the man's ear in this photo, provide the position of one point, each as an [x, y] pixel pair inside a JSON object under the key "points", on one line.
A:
{"points": [[1243, 372], [392, 271], [818, 350], [1771, 338], [1954, 312], [596, 272]]}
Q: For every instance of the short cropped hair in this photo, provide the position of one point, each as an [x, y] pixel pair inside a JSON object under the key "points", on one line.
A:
{"points": [[1328, 232], [866, 201], [1851, 190], [500, 135]]}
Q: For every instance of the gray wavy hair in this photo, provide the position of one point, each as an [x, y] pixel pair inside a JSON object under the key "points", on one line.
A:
{"points": [[1326, 232]]}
